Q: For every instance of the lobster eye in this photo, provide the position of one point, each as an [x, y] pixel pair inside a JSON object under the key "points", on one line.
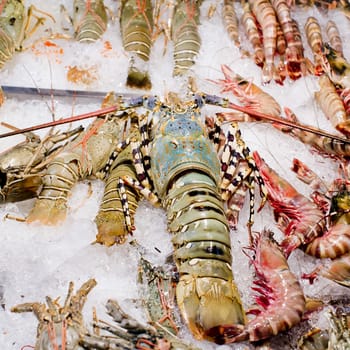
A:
{"points": [[12, 21], [3, 179]]}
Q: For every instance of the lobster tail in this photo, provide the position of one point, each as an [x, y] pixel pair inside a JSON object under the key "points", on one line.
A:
{"points": [[185, 35], [138, 79], [136, 23], [7, 47], [90, 20], [206, 293], [112, 224]]}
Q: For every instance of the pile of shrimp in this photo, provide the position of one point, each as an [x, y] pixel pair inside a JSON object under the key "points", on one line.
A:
{"points": [[276, 38]]}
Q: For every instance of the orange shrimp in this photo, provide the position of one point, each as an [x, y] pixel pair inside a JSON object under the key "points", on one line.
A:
{"points": [[323, 144], [315, 41], [231, 21], [294, 52], [265, 15], [338, 271], [332, 105], [334, 37], [253, 35]]}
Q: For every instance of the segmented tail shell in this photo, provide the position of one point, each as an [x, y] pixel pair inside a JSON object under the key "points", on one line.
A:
{"points": [[185, 35], [90, 20]]}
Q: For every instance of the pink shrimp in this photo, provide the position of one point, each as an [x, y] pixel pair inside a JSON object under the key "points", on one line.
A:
{"points": [[294, 53], [253, 34], [248, 93], [280, 299], [297, 216]]}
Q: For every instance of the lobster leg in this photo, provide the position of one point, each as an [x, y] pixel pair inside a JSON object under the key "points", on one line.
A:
{"points": [[238, 168], [146, 192]]}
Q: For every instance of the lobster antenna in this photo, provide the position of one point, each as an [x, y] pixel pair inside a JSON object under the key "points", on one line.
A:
{"points": [[228, 104]]}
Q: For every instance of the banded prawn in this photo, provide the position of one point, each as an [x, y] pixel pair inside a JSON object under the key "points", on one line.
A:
{"points": [[332, 105], [319, 227], [325, 5], [315, 41], [136, 25], [265, 15], [298, 217], [252, 32], [231, 21], [334, 201], [334, 37], [294, 55], [327, 145], [248, 93]]}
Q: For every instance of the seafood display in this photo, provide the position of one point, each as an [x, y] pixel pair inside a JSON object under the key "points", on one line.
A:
{"points": [[208, 211]]}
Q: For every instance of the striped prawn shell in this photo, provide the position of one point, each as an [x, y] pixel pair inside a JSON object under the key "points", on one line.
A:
{"points": [[338, 271], [313, 34], [334, 37], [335, 241], [231, 21], [136, 24], [298, 217], [323, 144], [294, 52], [184, 32], [89, 20], [252, 31], [331, 104], [265, 15]]}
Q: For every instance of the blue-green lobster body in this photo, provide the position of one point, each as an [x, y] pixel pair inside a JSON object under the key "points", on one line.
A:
{"points": [[181, 145], [186, 172]]}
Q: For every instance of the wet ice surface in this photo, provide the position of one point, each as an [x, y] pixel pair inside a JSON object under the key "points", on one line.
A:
{"points": [[36, 261]]}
